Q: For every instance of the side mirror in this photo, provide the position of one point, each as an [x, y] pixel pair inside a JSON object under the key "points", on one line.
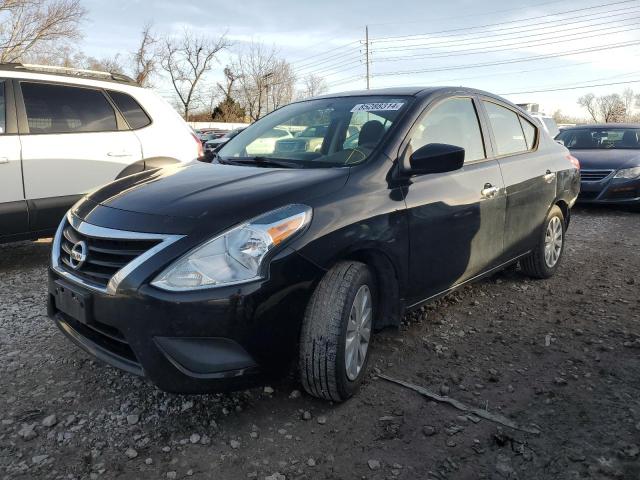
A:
{"points": [[561, 142], [436, 158]]}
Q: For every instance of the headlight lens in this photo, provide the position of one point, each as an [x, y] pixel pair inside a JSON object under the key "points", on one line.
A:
{"points": [[628, 173], [237, 255]]}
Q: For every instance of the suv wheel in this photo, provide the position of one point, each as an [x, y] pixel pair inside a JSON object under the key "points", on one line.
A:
{"points": [[336, 332], [545, 258]]}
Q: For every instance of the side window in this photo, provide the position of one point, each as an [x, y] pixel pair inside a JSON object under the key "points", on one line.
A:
{"points": [[454, 122], [3, 115], [529, 132], [132, 111], [506, 129], [63, 109]]}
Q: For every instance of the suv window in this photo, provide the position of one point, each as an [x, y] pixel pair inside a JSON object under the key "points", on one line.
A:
{"points": [[453, 122], [63, 109], [506, 129], [132, 111], [3, 120]]}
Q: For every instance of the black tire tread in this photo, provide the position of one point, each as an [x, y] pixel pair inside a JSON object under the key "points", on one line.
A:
{"points": [[321, 331]]}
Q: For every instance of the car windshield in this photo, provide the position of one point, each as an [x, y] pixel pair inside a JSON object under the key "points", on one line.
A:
{"points": [[325, 132], [600, 138]]}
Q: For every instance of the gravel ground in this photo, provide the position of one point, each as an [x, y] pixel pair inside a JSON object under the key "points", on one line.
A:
{"points": [[561, 354]]}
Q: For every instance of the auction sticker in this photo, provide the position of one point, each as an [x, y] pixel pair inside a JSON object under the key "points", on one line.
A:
{"points": [[377, 107]]}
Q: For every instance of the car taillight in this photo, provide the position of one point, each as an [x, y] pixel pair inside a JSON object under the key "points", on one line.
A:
{"points": [[199, 143], [574, 161]]}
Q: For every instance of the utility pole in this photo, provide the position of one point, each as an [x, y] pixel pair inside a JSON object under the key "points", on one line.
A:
{"points": [[366, 51]]}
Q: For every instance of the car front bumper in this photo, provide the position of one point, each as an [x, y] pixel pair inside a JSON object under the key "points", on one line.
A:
{"points": [[615, 191], [211, 340]]}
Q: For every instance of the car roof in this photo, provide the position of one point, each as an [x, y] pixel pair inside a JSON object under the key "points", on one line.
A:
{"points": [[603, 125], [407, 91]]}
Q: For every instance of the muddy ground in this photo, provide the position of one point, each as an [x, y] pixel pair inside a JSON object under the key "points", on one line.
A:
{"points": [[562, 355]]}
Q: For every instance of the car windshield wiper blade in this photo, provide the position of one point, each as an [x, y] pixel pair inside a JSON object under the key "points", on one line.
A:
{"points": [[261, 161]]}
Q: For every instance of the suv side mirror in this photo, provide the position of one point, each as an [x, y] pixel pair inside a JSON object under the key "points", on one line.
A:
{"points": [[436, 158]]}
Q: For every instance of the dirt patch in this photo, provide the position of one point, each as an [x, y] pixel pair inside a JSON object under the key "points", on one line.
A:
{"points": [[561, 354]]}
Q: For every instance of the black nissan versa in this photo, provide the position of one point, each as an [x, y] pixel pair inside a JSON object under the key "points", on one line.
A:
{"points": [[210, 277]]}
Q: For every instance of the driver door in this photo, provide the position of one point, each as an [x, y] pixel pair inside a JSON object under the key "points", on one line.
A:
{"points": [[456, 219]]}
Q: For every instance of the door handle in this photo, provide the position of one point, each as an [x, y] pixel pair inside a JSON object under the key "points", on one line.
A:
{"points": [[118, 154], [4, 159], [549, 176], [489, 191]]}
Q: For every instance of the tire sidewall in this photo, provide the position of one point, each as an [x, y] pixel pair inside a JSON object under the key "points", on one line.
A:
{"points": [[347, 387], [554, 212]]}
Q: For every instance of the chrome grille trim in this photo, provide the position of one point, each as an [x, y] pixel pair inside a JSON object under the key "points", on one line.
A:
{"points": [[587, 175], [95, 231]]}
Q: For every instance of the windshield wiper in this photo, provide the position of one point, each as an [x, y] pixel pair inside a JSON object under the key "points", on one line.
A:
{"points": [[260, 161]]}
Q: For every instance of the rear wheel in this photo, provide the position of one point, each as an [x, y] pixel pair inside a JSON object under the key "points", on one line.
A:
{"points": [[336, 333], [544, 260]]}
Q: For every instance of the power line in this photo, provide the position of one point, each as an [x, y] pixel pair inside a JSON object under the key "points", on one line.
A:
{"points": [[486, 38], [512, 46], [331, 61], [468, 16], [395, 38], [515, 60], [573, 87], [304, 59]]}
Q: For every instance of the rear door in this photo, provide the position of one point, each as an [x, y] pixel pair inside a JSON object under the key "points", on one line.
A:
{"points": [[530, 183], [13, 208], [456, 218], [73, 140]]}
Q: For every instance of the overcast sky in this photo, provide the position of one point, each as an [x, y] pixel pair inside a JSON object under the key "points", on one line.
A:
{"points": [[326, 37]]}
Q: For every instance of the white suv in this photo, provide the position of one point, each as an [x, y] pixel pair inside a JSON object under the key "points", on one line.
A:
{"points": [[64, 132]]}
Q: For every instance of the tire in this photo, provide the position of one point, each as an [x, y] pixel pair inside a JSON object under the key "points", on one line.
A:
{"points": [[543, 263], [323, 339]]}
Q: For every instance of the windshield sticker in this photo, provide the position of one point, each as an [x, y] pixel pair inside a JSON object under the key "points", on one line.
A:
{"points": [[377, 107]]}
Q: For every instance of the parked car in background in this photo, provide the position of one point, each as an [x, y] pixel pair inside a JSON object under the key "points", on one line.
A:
{"points": [[207, 137], [262, 257], [609, 155], [308, 140], [63, 132], [216, 143], [266, 144]]}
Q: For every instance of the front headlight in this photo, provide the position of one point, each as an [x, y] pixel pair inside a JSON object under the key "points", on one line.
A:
{"points": [[237, 255], [628, 173]]}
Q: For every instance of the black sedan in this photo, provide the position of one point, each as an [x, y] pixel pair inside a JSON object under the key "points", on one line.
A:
{"points": [[609, 155], [207, 277]]}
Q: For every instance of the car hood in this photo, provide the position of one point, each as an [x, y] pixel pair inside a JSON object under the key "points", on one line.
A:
{"points": [[607, 159], [200, 194]]}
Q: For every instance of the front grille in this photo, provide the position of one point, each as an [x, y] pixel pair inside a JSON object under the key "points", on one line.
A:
{"points": [[594, 175], [104, 256]]}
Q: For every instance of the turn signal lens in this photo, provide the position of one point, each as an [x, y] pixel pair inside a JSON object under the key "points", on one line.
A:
{"points": [[574, 161], [280, 232]]}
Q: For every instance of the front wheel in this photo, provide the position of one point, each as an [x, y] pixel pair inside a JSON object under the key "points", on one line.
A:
{"points": [[544, 260], [336, 332]]}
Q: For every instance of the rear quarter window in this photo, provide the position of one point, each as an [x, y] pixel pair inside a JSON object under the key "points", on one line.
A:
{"points": [[134, 114], [63, 109]]}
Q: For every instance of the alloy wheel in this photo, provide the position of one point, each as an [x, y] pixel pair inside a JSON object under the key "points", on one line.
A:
{"points": [[553, 242], [358, 333]]}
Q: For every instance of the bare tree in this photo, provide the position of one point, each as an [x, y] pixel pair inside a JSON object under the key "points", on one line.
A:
{"points": [[32, 27], [313, 85], [146, 58], [106, 64], [588, 101], [187, 59], [265, 82], [611, 108], [629, 99]]}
